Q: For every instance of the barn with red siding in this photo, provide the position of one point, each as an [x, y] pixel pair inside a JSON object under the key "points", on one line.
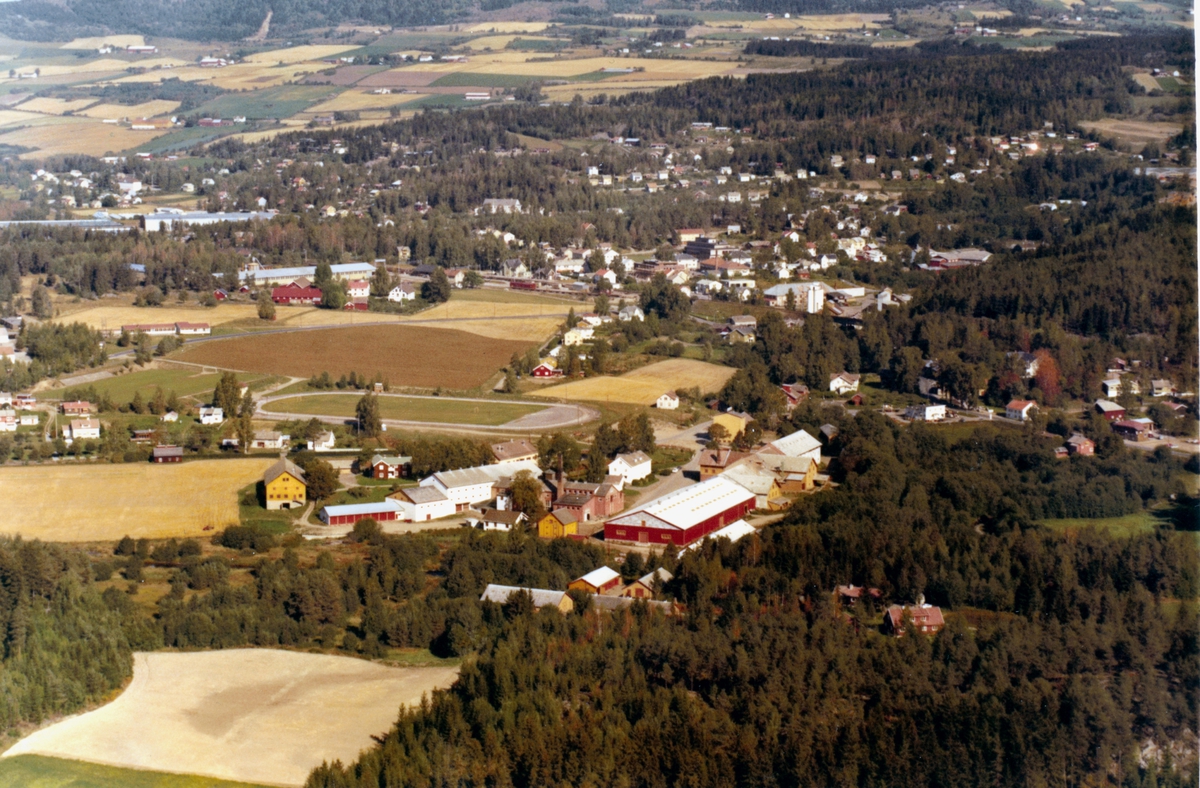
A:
{"points": [[351, 513], [683, 516], [295, 294]]}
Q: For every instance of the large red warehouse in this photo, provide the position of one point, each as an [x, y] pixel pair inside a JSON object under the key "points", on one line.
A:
{"points": [[682, 517], [350, 514]]}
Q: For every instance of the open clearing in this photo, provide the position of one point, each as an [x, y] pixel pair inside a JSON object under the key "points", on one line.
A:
{"points": [[416, 356], [256, 715], [508, 27], [87, 502], [397, 408], [95, 42], [38, 771], [1127, 525], [1133, 131], [644, 386]]}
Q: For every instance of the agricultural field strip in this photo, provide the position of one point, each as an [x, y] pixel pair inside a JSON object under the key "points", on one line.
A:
{"points": [[255, 715], [399, 407], [643, 386]]}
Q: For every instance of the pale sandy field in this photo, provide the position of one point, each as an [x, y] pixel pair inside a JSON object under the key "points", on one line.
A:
{"points": [[643, 386], [258, 715], [54, 106], [508, 27], [87, 502], [89, 136], [360, 100], [1147, 81], [95, 42], [500, 41], [147, 109], [1133, 131], [300, 54], [113, 317]]}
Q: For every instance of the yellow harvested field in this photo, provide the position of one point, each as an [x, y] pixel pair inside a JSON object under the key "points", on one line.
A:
{"points": [[11, 117], [353, 100], [113, 317], [499, 42], [264, 716], [300, 54], [95, 42], [54, 106], [240, 76], [1147, 81], [508, 27], [148, 109], [665, 69], [88, 136], [524, 322], [88, 502], [643, 386], [1133, 131]]}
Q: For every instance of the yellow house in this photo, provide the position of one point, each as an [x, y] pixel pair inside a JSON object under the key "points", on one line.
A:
{"points": [[734, 423], [558, 524], [285, 486]]}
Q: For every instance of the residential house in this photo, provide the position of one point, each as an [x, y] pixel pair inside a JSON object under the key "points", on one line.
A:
{"points": [[76, 408], [519, 450], [632, 313], [82, 429], [8, 420], [714, 462], [850, 595], [1161, 388], [1027, 363], [597, 581], [795, 474], [925, 412], [843, 382], [667, 401], [647, 586], [497, 520], [1111, 387], [546, 369], [405, 291], [385, 466], [795, 393], [325, 441], [1133, 429], [742, 335], [1020, 409], [211, 415], [502, 205], [926, 619], [631, 467], [1078, 444], [269, 439], [1109, 410], [359, 288], [558, 524], [284, 485], [542, 598]]}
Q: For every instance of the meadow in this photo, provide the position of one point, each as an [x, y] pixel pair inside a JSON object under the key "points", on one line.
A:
{"points": [[408, 356], [644, 385], [84, 502], [39, 771], [185, 382], [251, 715], [400, 408]]}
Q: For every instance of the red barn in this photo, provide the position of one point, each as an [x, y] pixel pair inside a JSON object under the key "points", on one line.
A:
{"points": [[683, 516], [167, 454], [350, 514], [596, 581], [546, 371], [295, 294]]}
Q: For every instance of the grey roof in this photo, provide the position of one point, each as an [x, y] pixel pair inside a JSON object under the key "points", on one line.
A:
{"points": [[390, 460], [541, 597], [428, 494], [508, 517], [659, 574], [283, 466], [464, 477], [633, 458]]}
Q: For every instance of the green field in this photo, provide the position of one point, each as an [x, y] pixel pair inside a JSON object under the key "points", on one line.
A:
{"points": [[470, 79], [430, 409], [36, 771], [279, 102], [184, 382], [1126, 525], [185, 139]]}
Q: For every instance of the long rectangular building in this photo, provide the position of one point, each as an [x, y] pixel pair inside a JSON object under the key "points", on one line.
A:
{"points": [[262, 277], [683, 516]]}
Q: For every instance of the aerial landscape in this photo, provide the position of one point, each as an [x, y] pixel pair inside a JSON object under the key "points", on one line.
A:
{"points": [[637, 393]]}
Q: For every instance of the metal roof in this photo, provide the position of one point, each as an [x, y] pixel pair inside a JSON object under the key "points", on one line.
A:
{"points": [[598, 577], [733, 532], [363, 509], [690, 505], [541, 597]]}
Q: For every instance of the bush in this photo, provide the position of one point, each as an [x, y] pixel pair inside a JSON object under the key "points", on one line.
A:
{"points": [[241, 537]]}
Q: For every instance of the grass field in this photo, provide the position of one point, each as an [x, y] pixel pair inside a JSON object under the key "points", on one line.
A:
{"points": [[254, 715], [1127, 525], [39, 771], [94, 502], [184, 382], [356, 100], [645, 385], [416, 356], [278, 102], [434, 409]]}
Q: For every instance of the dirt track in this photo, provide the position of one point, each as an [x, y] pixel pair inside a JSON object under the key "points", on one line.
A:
{"points": [[257, 715]]}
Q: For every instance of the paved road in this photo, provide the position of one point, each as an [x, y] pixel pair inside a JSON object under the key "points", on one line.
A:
{"points": [[556, 416]]}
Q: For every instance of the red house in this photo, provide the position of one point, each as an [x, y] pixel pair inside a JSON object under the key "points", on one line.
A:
{"points": [[926, 619], [1111, 411], [167, 454], [77, 408], [685, 515], [546, 371], [295, 294], [385, 467]]}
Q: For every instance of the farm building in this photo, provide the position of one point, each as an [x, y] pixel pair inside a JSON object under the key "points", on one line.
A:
{"points": [[349, 514], [1109, 410], [733, 422], [630, 467], [284, 485], [515, 451], [759, 481], [296, 294], [1133, 430], [390, 466], [283, 276], [167, 454], [546, 370], [609, 604], [558, 524], [646, 586], [541, 597], [925, 412], [596, 581], [733, 532], [683, 516], [474, 485], [798, 444], [421, 504], [166, 218]]}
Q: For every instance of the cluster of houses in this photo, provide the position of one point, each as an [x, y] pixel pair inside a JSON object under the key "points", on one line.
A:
{"points": [[603, 586], [772, 472], [10, 418]]}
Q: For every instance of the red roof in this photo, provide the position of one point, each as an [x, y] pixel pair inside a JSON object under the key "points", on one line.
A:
{"points": [[1019, 404], [292, 292]]}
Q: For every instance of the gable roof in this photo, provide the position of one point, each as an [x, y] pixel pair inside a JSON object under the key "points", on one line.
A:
{"points": [[598, 577], [283, 466], [633, 458], [541, 597], [506, 516], [564, 516], [799, 442]]}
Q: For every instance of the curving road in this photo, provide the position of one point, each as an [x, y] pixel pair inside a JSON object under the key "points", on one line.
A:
{"points": [[555, 416]]}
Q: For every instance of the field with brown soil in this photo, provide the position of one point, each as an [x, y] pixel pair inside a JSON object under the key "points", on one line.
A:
{"points": [[258, 715], [409, 356]]}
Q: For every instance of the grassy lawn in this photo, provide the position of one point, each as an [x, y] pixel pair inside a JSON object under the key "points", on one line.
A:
{"points": [[1126, 525], [37, 771], [416, 658], [184, 382], [277, 521], [410, 409]]}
